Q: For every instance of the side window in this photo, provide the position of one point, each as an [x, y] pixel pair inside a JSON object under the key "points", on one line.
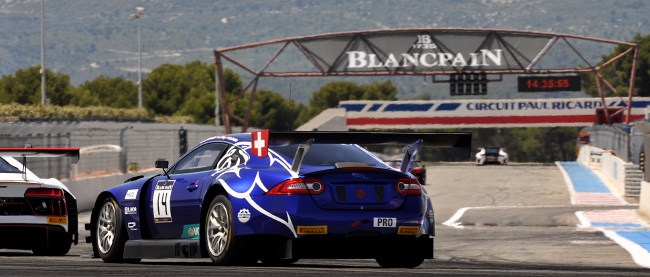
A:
{"points": [[234, 156], [201, 159]]}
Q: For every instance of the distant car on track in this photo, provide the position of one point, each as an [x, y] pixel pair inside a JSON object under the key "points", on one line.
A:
{"points": [[276, 197], [492, 155], [417, 169], [36, 214]]}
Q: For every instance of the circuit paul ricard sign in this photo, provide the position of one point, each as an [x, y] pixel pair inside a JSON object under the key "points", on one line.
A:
{"points": [[425, 51], [419, 114]]}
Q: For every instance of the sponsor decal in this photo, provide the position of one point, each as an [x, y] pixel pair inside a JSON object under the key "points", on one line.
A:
{"points": [[191, 231], [359, 176], [230, 138], [312, 230], [60, 220], [260, 143], [361, 193], [430, 215], [132, 226], [131, 194], [384, 222], [425, 42], [130, 210], [244, 215], [408, 230], [162, 196]]}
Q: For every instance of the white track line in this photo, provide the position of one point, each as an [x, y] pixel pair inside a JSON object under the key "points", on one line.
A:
{"points": [[453, 221], [639, 254]]}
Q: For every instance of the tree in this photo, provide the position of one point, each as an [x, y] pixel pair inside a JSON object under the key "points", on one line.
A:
{"points": [[169, 86], [330, 94], [105, 91], [163, 91], [618, 73], [201, 101], [272, 111], [25, 87]]}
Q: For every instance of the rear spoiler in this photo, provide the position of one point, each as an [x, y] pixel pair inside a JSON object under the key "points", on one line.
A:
{"points": [[461, 142], [43, 152]]}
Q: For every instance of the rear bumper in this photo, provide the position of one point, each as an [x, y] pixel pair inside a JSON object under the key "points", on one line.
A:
{"points": [[345, 247], [361, 248], [27, 237], [499, 160]]}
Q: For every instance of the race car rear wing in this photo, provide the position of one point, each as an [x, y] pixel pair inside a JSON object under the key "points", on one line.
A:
{"points": [[461, 142], [44, 152]]}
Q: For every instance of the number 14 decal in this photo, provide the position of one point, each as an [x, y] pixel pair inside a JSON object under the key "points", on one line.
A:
{"points": [[162, 195]]}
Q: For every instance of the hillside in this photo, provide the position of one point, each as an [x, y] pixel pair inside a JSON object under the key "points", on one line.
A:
{"points": [[88, 38]]}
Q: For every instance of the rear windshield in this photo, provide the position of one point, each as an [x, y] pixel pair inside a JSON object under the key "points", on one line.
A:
{"points": [[5, 167], [492, 150], [328, 154]]}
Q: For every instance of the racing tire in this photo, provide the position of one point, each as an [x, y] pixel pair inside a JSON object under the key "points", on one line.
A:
{"points": [[278, 262], [399, 262], [218, 235], [58, 248], [110, 232]]}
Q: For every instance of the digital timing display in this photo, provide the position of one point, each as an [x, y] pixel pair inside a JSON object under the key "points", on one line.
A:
{"points": [[548, 83]]}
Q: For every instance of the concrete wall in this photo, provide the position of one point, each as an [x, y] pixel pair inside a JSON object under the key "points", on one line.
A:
{"points": [[86, 190], [625, 176], [134, 143], [590, 156], [613, 167], [644, 200]]}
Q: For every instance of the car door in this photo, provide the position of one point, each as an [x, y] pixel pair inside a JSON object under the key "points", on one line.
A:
{"points": [[174, 201]]}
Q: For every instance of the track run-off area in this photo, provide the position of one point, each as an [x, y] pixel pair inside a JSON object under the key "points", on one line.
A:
{"points": [[515, 220]]}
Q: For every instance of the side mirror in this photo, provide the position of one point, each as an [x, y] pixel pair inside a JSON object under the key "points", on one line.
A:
{"points": [[162, 164]]}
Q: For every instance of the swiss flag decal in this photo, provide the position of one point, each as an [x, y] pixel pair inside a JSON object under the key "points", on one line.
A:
{"points": [[260, 143]]}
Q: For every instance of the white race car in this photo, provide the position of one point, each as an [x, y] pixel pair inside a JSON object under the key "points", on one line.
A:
{"points": [[36, 214], [492, 155]]}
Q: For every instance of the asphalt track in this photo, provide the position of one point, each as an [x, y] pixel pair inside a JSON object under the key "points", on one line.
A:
{"points": [[525, 226]]}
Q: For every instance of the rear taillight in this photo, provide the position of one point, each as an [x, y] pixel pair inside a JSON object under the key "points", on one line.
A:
{"points": [[298, 186], [44, 192], [46, 201], [408, 186]]}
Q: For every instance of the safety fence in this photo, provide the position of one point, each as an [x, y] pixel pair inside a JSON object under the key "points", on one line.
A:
{"points": [[105, 147]]}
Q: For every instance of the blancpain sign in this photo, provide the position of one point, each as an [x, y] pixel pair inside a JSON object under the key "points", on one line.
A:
{"points": [[359, 59], [424, 51]]}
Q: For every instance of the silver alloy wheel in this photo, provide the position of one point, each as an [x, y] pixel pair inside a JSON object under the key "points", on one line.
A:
{"points": [[217, 228], [106, 227]]}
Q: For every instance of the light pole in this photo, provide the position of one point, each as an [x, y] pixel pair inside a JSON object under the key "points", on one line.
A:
{"points": [[43, 52], [138, 15]]}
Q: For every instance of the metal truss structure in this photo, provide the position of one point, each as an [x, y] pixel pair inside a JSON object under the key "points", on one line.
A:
{"points": [[521, 50]]}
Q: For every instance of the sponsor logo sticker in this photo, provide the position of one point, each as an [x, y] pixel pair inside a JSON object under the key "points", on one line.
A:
{"points": [[312, 230], [191, 231], [162, 196], [57, 220], [130, 210], [384, 222], [132, 226], [260, 143], [131, 194], [244, 215], [408, 230]]}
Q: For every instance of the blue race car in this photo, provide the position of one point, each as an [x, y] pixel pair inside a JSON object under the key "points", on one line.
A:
{"points": [[275, 197]]}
